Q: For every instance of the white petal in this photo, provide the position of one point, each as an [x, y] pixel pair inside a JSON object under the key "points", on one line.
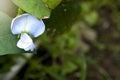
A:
{"points": [[25, 42], [34, 26], [18, 24], [27, 23], [31, 47]]}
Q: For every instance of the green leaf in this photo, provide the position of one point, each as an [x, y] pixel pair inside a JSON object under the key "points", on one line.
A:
{"points": [[63, 17], [51, 3], [35, 7], [7, 40]]}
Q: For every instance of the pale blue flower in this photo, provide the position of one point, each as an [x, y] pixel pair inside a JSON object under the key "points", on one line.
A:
{"points": [[27, 24]]}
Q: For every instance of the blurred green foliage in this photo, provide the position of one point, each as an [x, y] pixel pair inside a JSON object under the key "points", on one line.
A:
{"points": [[81, 43]]}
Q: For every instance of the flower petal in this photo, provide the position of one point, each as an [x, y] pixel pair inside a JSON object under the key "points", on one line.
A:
{"points": [[27, 23], [18, 24], [31, 47], [26, 42], [34, 26]]}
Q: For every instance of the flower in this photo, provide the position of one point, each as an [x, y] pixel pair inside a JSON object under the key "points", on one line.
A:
{"points": [[27, 25]]}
